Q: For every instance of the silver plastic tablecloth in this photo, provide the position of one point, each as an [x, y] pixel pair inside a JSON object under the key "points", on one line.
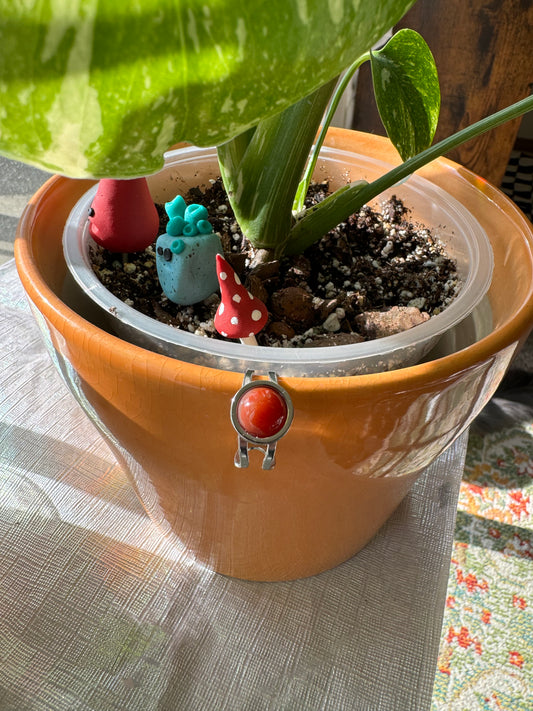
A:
{"points": [[98, 611]]}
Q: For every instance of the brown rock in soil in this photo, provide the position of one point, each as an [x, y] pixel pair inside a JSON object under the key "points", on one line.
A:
{"points": [[378, 324], [256, 288], [265, 270], [261, 256], [280, 329], [294, 305]]}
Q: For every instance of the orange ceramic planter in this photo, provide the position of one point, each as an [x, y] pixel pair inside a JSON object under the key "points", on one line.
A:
{"points": [[356, 444]]}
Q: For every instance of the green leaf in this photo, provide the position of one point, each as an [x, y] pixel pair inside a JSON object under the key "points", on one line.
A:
{"points": [[406, 87], [102, 87], [261, 170]]}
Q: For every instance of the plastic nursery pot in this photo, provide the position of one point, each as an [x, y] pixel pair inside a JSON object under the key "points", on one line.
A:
{"points": [[465, 240], [355, 445]]}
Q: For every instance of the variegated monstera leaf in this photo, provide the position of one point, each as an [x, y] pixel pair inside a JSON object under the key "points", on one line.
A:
{"points": [[103, 87]]}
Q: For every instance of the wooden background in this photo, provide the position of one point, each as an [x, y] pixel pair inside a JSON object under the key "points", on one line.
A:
{"points": [[484, 55]]}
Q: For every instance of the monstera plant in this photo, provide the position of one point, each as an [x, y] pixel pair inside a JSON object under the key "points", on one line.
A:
{"points": [[99, 88], [102, 89]]}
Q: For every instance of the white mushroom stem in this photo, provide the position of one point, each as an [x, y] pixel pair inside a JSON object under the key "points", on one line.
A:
{"points": [[249, 341]]}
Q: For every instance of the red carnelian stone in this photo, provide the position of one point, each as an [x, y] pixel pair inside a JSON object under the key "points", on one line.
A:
{"points": [[262, 412]]}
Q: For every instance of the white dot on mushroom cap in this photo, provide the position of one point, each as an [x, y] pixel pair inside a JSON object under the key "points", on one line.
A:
{"points": [[250, 295], [256, 315], [223, 334], [251, 334], [223, 276], [234, 320], [221, 308], [237, 280], [236, 298]]}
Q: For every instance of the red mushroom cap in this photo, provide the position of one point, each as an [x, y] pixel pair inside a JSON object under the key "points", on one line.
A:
{"points": [[239, 315]]}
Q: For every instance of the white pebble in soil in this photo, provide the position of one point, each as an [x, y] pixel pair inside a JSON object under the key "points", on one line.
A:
{"points": [[332, 323]]}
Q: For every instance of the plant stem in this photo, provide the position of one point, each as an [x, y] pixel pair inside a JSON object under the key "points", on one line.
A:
{"points": [[303, 187], [336, 207], [261, 170]]}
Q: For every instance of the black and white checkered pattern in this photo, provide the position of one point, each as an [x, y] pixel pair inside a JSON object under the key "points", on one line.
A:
{"points": [[518, 181]]}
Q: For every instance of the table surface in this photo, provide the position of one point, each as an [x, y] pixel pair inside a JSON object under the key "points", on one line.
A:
{"points": [[99, 611]]}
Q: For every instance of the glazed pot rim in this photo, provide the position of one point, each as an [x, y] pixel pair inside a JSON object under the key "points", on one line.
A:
{"points": [[409, 377]]}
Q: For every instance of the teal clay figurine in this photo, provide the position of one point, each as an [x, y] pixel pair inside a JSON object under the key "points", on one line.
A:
{"points": [[186, 254]]}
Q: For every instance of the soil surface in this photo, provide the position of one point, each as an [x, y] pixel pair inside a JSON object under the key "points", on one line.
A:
{"points": [[373, 275]]}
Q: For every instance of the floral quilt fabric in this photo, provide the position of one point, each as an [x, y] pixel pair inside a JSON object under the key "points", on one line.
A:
{"points": [[486, 652]]}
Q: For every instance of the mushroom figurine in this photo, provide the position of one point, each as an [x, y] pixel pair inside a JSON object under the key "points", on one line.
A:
{"points": [[239, 315]]}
